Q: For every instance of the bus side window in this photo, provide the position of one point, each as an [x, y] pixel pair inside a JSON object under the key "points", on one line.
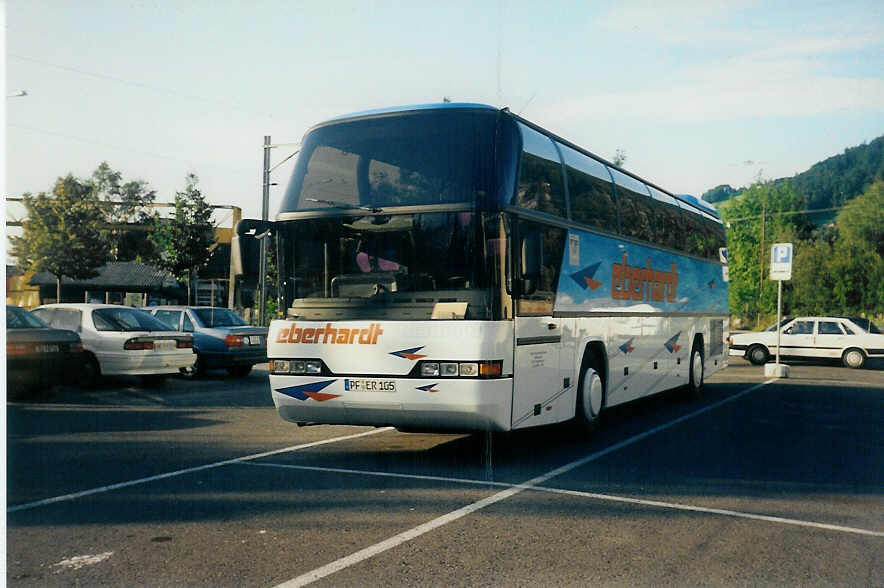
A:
{"points": [[635, 215], [716, 239], [695, 236], [541, 186], [590, 190], [634, 205], [551, 244]]}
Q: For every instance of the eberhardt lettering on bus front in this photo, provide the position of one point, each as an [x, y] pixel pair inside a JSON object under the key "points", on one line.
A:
{"points": [[613, 275], [330, 335]]}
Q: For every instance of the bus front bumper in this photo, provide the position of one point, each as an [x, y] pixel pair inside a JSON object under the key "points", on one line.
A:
{"points": [[408, 404]]}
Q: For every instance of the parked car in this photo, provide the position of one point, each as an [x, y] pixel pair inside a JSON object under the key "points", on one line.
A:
{"points": [[37, 355], [120, 340], [221, 338], [852, 340]]}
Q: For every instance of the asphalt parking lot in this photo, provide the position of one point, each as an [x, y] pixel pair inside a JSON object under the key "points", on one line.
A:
{"points": [[200, 484]]}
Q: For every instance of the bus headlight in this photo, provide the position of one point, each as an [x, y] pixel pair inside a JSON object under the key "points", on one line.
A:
{"points": [[459, 369]]}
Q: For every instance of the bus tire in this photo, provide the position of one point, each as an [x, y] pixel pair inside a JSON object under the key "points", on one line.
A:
{"points": [[590, 395], [696, 368]]}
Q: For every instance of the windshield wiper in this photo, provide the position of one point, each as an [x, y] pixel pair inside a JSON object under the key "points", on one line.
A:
{"points": [[338, 204]]}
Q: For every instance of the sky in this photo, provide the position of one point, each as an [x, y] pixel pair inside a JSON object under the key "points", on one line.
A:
{"points": [[696, 94]]}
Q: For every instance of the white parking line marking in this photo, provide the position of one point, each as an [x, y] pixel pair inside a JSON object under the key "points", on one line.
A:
{"points": [[75, 495], [608, 497], [396, 540]]}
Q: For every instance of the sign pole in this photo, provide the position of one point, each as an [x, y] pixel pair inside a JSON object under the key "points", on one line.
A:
{"points": [[780, 269], [779, 315]]}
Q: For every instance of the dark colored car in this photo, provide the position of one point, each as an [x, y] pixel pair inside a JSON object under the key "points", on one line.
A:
{"points": [[38, 356], [221, 338]]}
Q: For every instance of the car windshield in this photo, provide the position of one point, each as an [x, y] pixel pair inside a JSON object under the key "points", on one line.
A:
{"points": [[19, 318], [773, 327], [126, 319], [218, 317]]}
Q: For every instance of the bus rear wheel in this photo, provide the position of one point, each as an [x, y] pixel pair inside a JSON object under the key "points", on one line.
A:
{"points": [[590, 398], [694, 389]]}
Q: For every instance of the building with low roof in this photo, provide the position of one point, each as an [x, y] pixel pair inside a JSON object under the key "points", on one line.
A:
{"points": [[118, 282]]}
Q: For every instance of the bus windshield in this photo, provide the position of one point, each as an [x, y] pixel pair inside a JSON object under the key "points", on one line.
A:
{"points": [[415, 158], [418, 266]]}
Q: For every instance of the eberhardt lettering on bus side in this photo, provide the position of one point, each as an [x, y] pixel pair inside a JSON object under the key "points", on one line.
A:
{"points": [[630, 282], [330, 335]]}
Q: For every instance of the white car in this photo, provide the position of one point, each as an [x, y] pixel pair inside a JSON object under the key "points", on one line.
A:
{"points": [[853, 340], [120, 340]]}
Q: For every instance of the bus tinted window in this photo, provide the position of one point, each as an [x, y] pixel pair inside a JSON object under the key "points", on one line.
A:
{"points": [[695, 233], [433, 157], [715, 238], [552, 247], [667, 220], [540, 175], [634, 205], [590, 190]]}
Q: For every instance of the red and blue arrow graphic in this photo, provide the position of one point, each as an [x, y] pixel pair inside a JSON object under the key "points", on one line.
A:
{"points": [[584, 277], [411, 354], [430, 388], [671, 344], [627, 347], [311, 390]]}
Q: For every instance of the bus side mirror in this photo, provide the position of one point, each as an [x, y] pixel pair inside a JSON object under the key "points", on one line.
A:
{"points": [[245, 246], [531, 262]]}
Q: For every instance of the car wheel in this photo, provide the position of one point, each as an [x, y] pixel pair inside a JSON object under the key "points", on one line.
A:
{"points": [[758, 355], [695, 372], [196, 370], [590, 395], [239, 371], [853, 358], [90, 372]]}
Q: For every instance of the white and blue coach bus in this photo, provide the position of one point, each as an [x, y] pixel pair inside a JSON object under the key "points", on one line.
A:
{"points": [[455, 267]]}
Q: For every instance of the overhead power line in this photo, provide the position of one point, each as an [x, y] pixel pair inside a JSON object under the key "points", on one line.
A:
{"points": [[133, 83], [121, 148]]}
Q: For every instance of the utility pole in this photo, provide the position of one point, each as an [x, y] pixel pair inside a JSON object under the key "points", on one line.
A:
{"points": [[265, 204]]}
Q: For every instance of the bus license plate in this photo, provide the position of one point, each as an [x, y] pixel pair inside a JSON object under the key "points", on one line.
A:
{"points": [[352, 385]]}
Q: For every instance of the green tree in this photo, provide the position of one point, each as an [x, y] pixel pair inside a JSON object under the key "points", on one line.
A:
{"points": [[123, 204], [61, 234], [182, 243], [755, 220]]}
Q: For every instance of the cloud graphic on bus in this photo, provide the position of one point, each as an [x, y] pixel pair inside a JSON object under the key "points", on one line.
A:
{"points": [[671, 344], [430, 388], [584, 277], [411, 354], [311, 390]]}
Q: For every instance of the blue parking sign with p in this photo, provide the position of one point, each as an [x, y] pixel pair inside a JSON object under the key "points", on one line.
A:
{"points": [[781, 261]]}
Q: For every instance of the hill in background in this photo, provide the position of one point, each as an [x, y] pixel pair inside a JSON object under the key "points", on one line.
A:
{"points": [[830, 182]]}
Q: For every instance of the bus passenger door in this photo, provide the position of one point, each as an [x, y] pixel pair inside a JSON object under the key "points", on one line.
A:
{"points": [[537, 374], [537, 378]]}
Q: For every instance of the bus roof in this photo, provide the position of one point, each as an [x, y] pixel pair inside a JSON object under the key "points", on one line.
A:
{"points": [[693, 201]]}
